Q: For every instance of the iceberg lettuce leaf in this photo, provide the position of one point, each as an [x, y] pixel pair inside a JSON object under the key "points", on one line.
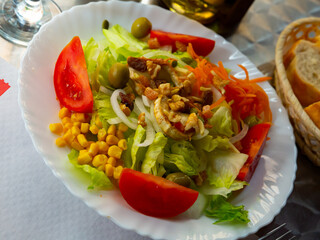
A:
{"points": [[221, 121]]}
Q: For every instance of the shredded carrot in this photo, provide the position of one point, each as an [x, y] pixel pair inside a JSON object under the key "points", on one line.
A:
{"points": [[218, 102]]}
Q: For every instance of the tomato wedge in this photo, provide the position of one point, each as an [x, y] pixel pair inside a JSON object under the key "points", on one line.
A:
{"points": [[201, 46], [253, 144], [155, 196], [71, 81]]}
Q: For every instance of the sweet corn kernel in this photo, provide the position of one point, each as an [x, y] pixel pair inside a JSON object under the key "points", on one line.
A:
{"points": [[112, 161], [60, 142], [108, 169], [67, 126], [93, 149], [84, 128], [94, 129], [64, 112], [68, 136], [98, 122], [83, 140], [65, 120], [120, 134], [77, 124], [75, 131], [77, 117], [122, 144], [122, 127], [117, 172], [115, 151], [84, 157], [76, 145], [112, 140], [103, 147], [56, 128], [112, 130], [101, 167], [102, 133], [99, 160]]}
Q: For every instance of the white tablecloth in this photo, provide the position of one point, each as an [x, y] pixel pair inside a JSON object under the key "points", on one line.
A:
{"points": [[34, 204]]}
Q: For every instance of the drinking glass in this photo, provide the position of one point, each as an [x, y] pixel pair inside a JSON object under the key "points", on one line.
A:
{"points": [[21, 19], [223, 16]]}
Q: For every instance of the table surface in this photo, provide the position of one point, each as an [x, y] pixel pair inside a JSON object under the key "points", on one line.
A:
{"points": [[255, 37]]}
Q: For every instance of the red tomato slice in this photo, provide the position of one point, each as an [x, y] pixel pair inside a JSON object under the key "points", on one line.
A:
{"points": [[253, 144], [71, 79], [201, 46], [155, 196]]}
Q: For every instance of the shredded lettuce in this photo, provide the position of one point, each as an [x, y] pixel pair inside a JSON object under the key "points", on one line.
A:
{"points": [[224, 167], [137, 153], [221, 121], [224, 211], [98, 178], [210, 143], [154, 156]]}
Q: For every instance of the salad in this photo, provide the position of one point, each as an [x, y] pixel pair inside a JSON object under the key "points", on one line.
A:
{"points": [[146, 111]]}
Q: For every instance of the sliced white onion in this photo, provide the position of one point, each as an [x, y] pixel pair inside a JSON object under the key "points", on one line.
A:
{"points": [[115, 120], [150, 135], [216, 94], [153, 119], [241, 134], [139, 104], [105, 90], [116, 108], [146, 101], [199, 135]]}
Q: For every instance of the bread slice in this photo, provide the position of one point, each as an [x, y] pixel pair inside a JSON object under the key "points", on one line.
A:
{"points": [[313, 111], [303, 71]]}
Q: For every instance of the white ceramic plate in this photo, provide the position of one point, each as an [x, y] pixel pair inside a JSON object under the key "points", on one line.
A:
{"points": [[271, 184]]}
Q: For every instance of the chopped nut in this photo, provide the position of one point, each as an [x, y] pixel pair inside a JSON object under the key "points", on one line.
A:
{"points": [[125, 109], [150, 93], [192, 122], [142, 119], [153, 43], [164, 89], [181, 46], [176, 106], [153, 69]]}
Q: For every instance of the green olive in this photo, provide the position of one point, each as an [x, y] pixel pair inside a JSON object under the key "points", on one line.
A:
{"points": [[118, 75], [179, 178], [141, 27], [105, 24]]}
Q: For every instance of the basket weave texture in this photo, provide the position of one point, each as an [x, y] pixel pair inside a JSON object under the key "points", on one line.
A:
{"points": [[306, 132]]}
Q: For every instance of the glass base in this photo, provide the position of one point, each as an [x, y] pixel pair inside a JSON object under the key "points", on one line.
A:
{"points": [[15, 29]]}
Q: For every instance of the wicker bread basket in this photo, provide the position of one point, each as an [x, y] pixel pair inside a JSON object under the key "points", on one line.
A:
{"points": [[306, 132]]}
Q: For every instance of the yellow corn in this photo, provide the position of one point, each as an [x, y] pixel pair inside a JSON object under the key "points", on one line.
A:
{"points": [[117, 172], [56, 128], [115, 151], [98, 122], [76, 145], [112, 140], [68, 136], [120, 134], [84, 157], [108, 169], [112, 161], [93, 149], [83, 140], [102, 133], [67, 126], [77, 124], [103, 147], [99, 160], [122, 144], [84, 128], [65, 120], [78, 117], [64, 112], [60, 142], [122, 127], [101, 167], [112, 130], [94, 129], [75, 131]]}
